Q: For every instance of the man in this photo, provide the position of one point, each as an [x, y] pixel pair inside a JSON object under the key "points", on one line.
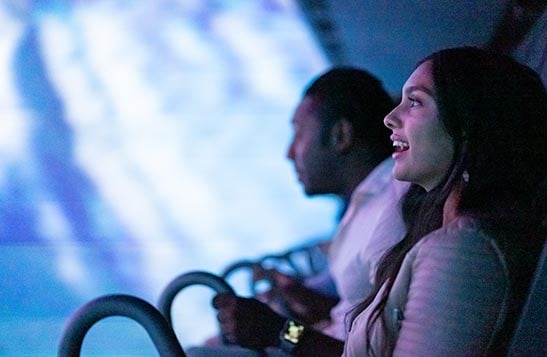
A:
{"points": [[339, 147]]}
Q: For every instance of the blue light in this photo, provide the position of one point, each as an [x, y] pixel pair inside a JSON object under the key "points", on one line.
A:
{"points": [[140, 140]]}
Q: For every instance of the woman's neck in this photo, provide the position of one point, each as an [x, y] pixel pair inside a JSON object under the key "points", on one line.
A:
{"points": [[450, 209]]}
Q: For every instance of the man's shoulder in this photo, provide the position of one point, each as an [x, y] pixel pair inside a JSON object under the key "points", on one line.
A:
{"points": [[380, 180]]}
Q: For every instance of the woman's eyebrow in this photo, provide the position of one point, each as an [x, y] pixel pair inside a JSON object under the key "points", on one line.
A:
{"points": [[424, 89]]}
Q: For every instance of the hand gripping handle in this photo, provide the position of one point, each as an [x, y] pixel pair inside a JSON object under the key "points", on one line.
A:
{"points": [[182, 281]]}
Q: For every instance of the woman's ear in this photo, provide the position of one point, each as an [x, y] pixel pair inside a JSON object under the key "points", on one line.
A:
{"points": [[342, 135]]}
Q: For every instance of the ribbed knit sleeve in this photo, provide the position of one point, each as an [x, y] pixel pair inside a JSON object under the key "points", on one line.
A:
{"points": [[457, 291]]}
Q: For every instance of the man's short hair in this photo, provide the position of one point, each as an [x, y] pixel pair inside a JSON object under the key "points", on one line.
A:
{"points": [[356, 95]]}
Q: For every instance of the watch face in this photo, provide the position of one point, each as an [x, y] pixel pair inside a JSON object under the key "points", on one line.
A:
{"points": [[293, 332]]}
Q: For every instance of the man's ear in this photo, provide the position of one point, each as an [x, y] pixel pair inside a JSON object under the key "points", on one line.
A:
{"points": [[342, 135]]}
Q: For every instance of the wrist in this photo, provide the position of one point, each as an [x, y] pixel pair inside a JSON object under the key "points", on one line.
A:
{"points": [[275, 327]]}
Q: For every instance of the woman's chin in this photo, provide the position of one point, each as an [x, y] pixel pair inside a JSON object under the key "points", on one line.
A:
{"points": [[400, 174]]}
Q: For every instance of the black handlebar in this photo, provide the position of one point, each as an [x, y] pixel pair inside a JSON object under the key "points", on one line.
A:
{"points": [[182, 281], [145, 314]]}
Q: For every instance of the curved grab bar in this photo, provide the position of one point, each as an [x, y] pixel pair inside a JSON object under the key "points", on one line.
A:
{"points": [[145, 314], [182, 281], [239, 265], [232, 268]]}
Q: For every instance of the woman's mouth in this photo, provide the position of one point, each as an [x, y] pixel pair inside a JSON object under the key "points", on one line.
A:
{"points": [[400, 145]]}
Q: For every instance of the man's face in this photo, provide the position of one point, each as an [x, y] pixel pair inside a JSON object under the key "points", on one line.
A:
{"points": [[314, 161]]}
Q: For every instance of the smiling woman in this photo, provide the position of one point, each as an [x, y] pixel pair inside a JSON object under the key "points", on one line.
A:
{"points": [[424, 148], [139, 140], [473, 122]]}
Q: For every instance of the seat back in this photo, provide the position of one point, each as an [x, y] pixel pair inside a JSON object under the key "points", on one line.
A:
{"points": [[530, 337]]}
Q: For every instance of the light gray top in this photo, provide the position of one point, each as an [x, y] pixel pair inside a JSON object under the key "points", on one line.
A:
{"points": [[449, 298]]}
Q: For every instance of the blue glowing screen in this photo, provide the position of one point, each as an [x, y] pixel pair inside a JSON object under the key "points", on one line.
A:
{"points": [[140, 140]]}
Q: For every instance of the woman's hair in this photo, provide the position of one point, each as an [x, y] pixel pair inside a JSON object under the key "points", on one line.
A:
{"points": [[495, 110]]}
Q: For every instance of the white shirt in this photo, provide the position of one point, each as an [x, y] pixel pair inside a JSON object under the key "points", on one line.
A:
{"points": [[371, 224]]}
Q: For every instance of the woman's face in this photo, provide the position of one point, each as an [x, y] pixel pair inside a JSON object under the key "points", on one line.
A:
{"points": [[423, 149]]}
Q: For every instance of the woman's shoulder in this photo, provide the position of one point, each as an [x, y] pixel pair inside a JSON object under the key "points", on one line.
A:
{"points": [[455, 279], [463, 238], [461, 230]]}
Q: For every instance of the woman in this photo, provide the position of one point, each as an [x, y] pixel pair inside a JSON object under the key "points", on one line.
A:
{"points": [[469, 134]]}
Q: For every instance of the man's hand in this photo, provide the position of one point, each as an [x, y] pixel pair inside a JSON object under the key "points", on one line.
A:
{"points": [[247, 322], [302, 303]]}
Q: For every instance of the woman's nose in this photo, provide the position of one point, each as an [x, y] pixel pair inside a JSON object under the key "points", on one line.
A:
{"points": [[391, 120]]}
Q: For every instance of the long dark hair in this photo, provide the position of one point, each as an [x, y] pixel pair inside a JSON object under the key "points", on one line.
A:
{"points": [[495, 109]]}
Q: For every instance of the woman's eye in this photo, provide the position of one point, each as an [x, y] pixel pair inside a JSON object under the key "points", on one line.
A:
{"points": [[413, 102]]}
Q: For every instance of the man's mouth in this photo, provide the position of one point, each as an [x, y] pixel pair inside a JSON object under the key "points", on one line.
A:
{"points": [[400, 145]]}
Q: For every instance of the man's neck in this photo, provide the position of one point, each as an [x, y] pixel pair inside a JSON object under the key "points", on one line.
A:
{"points": [[355, 171]]}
